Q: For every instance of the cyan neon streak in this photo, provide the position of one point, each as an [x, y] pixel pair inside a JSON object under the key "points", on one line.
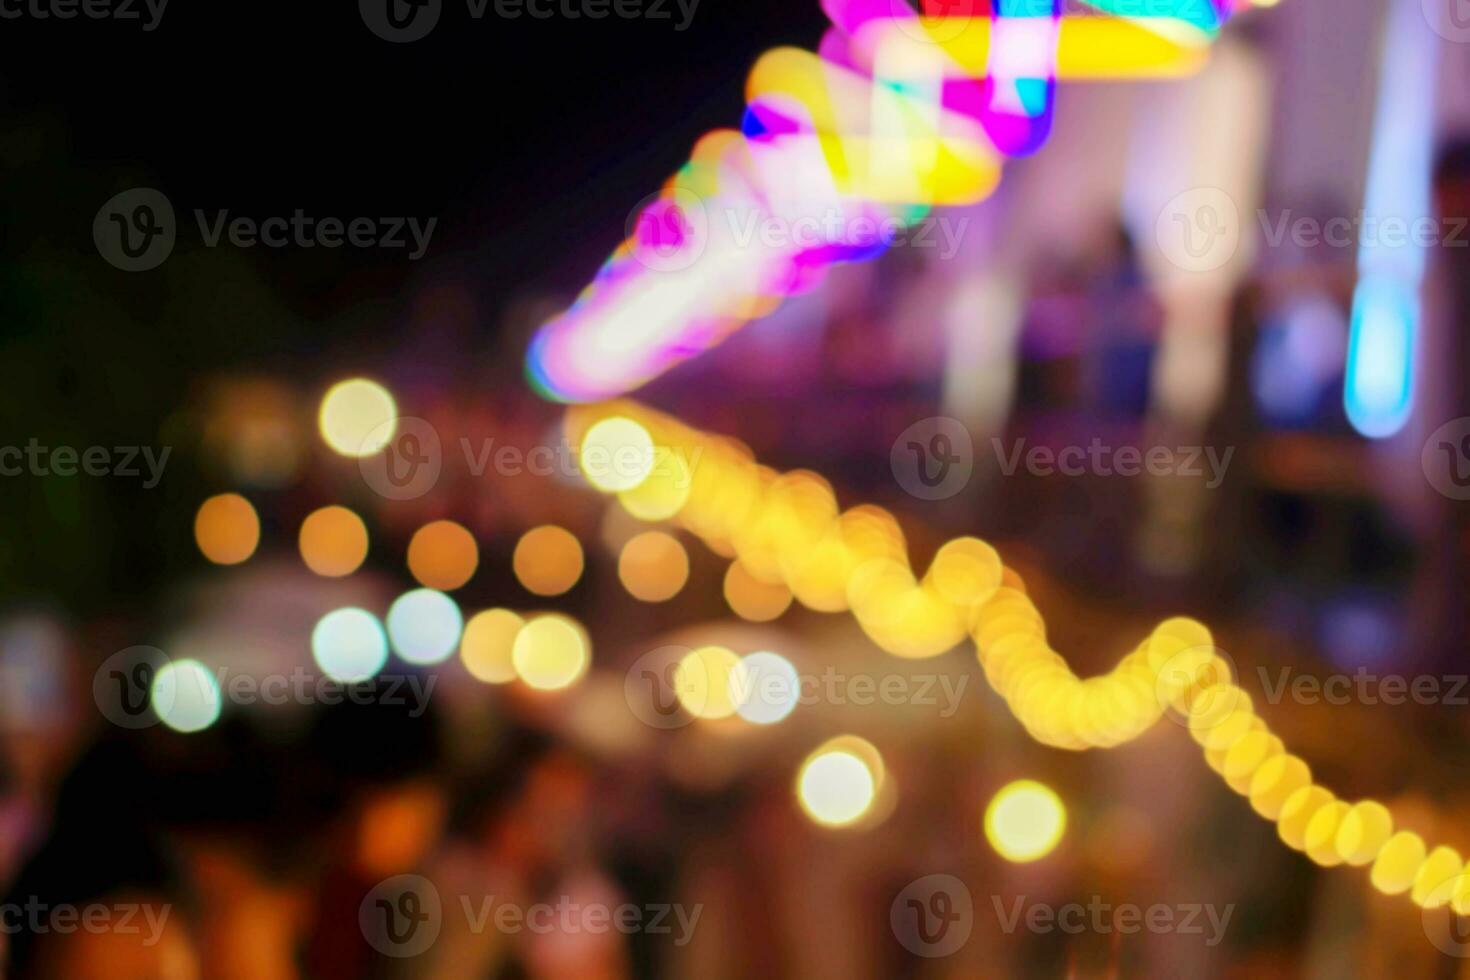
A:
{"points": [[1378, 390], [1204, 14]]}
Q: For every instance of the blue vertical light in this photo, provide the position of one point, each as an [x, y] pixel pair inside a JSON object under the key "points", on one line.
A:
{"points": [[1378, 390]]}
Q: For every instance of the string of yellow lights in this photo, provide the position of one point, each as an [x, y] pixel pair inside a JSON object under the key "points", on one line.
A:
{"points": [[785, 534]]}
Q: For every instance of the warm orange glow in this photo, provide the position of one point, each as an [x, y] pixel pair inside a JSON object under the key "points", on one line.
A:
{"points": [[443, 555], [334, 542], [548, 560], [653, 566], [752, 599], [227, 529]]}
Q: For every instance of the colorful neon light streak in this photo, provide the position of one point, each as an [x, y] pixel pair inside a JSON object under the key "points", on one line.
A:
{"points": [[897, 115]]}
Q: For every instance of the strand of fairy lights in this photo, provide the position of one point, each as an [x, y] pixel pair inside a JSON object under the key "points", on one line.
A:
{"points": [[786, 529]]}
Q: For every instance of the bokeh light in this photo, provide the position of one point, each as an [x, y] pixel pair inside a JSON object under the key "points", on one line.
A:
{"points": [[333, 541], [424, 626], [1025, 821], [443, 555], [358, 417], [550, 653], [754, 600], [709, 682], [548, 560], [488, 645], [617, 454], [186, 696], [836, 788], [653, 566], [227, 529], [349, 645], [772, 688]]}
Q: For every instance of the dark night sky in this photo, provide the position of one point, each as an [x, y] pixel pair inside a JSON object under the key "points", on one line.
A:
{"points": [[528, 139]]}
